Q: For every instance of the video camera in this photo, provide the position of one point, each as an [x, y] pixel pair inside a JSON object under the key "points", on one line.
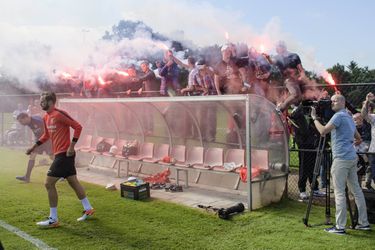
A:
{"points": [[323, 108]]}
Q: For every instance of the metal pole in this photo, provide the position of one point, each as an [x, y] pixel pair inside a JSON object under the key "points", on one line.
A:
{"points": [[2, 128], [248, 153], [235, 124]]}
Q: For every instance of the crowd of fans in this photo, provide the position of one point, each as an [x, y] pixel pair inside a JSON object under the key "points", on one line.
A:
{"points": [[256, 73]]}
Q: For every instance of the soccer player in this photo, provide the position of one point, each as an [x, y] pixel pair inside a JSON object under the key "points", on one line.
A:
{"points": [[35, 123], [57, 125]]}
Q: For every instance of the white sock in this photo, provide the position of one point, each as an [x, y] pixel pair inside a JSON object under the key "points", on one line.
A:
{"points": [[86, 204], [53, 212]]}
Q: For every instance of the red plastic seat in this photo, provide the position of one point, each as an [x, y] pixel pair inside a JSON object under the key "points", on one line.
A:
{"points": [[212, 158], [259, 159], [178, 153], [146, 151], [84, 142], [194, 156], [93, 145], [160, 151], [237, 156]]}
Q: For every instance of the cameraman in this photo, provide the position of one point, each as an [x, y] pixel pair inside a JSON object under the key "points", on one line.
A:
{"points": [[306, 138], [344, 166], [370, 118]]}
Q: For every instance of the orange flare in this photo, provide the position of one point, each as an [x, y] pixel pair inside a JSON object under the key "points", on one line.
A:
{"points": [[101, 81], [122, 73], [227, 36], [66, 75]]}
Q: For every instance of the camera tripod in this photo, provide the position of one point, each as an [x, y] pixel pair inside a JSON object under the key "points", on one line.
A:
{"points": [[317, 166]]}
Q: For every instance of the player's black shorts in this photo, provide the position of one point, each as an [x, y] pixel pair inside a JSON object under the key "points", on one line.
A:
{"points": [[45, 147], [62, 166]]}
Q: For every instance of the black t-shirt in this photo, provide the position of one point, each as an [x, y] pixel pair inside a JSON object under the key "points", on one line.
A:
{"points": [[365, 131], [306, 135], [242, 62], [149, 81], [291, 60]]}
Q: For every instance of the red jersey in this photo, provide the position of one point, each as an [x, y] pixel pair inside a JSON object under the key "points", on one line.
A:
{"points": [[57, 125]]}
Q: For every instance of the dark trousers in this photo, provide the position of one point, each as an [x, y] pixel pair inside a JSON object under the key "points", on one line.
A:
{"points": [[306, 169], [371, 159]]}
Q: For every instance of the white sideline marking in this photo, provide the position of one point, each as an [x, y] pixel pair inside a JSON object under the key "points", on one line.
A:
{"points": [[38, 243]]}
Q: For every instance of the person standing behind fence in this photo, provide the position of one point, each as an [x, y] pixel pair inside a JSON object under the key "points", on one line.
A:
{"points": [[57, 124], [150, 85], [208, 112], [171, 73], [369, 117], [228, 79], [160, 66], [262, 71], [344, 166], [364, 129], [306, 138], [131, 84], [291, 67], [193, 72]]}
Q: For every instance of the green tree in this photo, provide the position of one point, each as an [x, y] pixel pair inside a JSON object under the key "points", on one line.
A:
{"points": [[339, 74]]}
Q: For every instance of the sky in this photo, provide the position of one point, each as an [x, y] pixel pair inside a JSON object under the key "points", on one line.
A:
{"points": [[322, 32]]}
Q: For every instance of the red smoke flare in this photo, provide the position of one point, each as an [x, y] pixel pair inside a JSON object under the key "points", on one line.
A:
{"points": [[226, 36], [122, 73], [66, 75], [162, 46], [329, 79], [262, 49], [101, 81]]}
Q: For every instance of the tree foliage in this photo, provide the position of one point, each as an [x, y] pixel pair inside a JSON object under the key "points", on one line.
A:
{"points": [[353, 73]]}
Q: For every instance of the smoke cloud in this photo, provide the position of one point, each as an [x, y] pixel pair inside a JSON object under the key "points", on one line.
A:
{"points": [[31, 53]]}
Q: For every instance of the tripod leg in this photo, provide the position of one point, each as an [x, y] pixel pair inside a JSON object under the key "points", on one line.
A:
{"points": [[328, 189], [318, 162]]}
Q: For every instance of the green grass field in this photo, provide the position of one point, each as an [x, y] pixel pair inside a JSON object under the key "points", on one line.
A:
{"points": [[155, 224]]}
